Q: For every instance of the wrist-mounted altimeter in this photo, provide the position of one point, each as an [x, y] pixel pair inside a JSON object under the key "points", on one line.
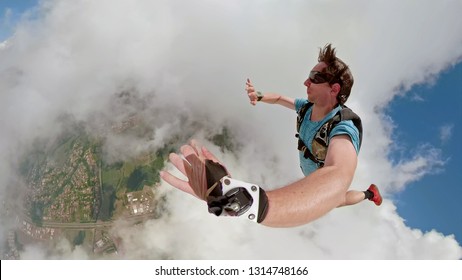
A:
{"points": [[224, 195], [239, 199]]}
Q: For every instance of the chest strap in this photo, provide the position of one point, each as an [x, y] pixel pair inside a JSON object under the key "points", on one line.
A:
{"points": [[307, 153]]}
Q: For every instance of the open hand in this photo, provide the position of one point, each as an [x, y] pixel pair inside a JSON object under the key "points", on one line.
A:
{"points": [[191, 162], [251, 92]]}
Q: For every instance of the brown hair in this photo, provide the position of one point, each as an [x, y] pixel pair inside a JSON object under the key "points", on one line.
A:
{"points": [[339, 70]]}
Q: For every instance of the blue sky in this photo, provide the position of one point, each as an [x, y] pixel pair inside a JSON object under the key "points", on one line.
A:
{"points": [[11, 11], [427, 117], [432, 114]]}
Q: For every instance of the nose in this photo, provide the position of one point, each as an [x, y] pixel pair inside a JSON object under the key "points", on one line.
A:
{"points": [[307, 83]]}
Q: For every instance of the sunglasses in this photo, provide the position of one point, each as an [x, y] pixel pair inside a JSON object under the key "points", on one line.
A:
{"points": [[320, 77]]}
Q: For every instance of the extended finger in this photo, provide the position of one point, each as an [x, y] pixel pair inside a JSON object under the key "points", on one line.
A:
{"points": [[208, 155], [197, 147], [177, 182], [188, 150], [248, 86], [212, 157], [178, 162]]}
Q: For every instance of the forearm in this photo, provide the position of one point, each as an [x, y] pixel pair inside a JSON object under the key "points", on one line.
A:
{"points": [[307, 199], [274, 98]]}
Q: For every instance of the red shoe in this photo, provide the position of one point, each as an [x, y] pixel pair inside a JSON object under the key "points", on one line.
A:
{"points": [[377, 198]]}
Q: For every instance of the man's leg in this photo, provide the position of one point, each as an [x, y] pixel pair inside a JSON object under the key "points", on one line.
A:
{"points": [[353, 197]]}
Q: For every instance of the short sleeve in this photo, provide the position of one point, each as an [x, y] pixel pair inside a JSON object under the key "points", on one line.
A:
{"points": [[299, 103], [347, 128]]}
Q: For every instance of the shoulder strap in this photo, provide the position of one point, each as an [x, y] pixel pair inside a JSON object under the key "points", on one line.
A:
{"points": [[301, 115], [346, 114]]}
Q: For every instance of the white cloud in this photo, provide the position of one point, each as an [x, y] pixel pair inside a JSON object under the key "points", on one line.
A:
{"points": [[3, 45], [446, 132], [192, 58]]}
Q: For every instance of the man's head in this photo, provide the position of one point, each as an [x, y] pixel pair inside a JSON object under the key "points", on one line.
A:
{"points": [[337, 71]]}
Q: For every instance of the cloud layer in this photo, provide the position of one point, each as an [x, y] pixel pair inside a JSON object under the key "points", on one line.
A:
{"points": [[190, 59]]}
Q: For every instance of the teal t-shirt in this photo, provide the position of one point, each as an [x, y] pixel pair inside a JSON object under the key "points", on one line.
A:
{"points": [[308, 130]]}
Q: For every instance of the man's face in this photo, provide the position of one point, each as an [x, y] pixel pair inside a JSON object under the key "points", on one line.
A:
{"points": [[317, 86]]}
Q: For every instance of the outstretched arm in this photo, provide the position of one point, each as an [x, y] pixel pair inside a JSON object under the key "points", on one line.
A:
{"points": [[270, 98], [300, 202]]}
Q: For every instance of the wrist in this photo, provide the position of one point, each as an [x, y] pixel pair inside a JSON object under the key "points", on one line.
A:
{"points": [[259, 96], [239, 199]]}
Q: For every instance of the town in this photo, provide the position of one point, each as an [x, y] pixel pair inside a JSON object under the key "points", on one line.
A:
{"points": [[65, 197]]}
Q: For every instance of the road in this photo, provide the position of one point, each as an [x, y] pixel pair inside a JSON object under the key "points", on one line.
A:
{"points": [[90, 225]]}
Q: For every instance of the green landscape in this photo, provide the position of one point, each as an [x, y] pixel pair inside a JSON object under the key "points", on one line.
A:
{"points": [[75, 192]]}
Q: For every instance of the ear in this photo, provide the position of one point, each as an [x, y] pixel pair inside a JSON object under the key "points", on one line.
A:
{"points": [[335, 88]]}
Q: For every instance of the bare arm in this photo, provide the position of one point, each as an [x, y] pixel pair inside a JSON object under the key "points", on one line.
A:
{"points": [[317, 194], [270, 98]]}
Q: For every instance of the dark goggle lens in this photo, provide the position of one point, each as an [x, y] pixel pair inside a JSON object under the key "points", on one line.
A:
{"points": [[318, 77]]}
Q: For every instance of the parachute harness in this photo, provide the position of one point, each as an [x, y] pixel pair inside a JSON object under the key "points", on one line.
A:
{"points": [[320, 141]]}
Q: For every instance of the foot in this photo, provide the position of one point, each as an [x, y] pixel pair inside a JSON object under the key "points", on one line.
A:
{"points": [[377, 198]]}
